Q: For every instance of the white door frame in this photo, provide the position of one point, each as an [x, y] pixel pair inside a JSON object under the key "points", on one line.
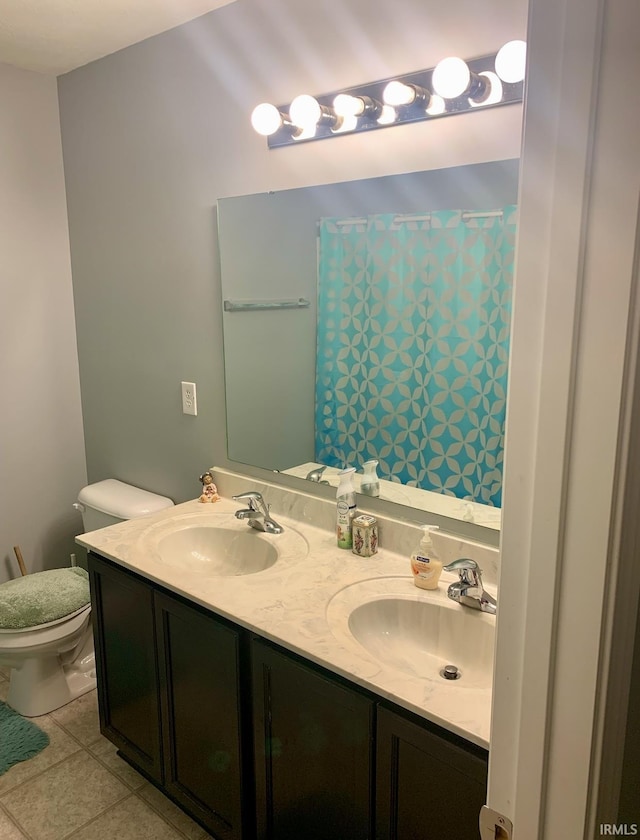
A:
{"points": [[570, 383]]}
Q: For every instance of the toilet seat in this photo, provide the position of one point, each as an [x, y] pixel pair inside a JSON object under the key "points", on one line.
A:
{"points": [[46, 624], [45, 634]]}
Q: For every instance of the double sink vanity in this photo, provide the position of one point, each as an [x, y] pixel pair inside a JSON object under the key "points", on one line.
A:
{"points": [[276, 686]]}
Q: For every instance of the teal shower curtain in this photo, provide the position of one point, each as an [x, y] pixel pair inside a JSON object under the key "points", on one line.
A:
{"points": [[413, 345]]}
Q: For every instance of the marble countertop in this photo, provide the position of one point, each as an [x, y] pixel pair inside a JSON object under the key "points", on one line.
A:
{"points": [[288, 603]]}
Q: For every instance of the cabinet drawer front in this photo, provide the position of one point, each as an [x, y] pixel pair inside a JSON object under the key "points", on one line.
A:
{"points": [[313, 752], [124, 632]]}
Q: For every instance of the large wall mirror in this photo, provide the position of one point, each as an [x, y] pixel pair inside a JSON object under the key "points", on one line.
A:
{"points": [[369, 320]]}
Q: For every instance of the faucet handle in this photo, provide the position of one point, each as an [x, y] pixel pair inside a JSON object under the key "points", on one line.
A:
{"points": [[249, 494], [462, 563], [253, 498], [316, 473], [468, 570]]}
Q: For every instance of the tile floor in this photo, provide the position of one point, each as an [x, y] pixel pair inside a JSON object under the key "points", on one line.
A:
{"points": [[78, 788]]}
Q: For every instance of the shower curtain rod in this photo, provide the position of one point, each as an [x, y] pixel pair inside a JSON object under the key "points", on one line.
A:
{"points": [[424, 217]]}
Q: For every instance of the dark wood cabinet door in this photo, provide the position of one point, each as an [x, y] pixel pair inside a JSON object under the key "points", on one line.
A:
{"points": [[124, 633], [428, 788], [313, 752], [201, 712]]}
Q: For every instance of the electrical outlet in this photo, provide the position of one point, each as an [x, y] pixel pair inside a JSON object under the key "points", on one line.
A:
{"points": [[189, 400]]}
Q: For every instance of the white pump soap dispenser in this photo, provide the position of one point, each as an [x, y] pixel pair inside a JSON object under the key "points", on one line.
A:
{"points": [[425, 563]]}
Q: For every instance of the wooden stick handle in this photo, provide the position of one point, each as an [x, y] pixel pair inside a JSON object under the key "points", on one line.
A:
{"points": [[23, 568]]}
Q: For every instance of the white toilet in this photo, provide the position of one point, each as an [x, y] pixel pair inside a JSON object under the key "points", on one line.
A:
{"points": [[54, 663]]}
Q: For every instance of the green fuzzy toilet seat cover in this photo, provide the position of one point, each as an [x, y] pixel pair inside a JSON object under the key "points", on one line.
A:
{"points": [[42, 597]]}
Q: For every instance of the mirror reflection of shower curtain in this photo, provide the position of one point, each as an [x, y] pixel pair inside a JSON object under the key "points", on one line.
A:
{"points": [[413, 346]]}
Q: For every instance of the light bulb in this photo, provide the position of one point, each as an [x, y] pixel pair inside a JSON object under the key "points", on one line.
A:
{"points": [[305, 133], [346, 123], [437, 105], [495, 91], [451, 77], [511, 61], [388, 115], [348, 106], [396, 93], [305, 111], [266, 119]]}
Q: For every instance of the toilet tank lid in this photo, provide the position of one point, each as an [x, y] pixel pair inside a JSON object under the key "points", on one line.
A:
{"points": [[121, 500]]}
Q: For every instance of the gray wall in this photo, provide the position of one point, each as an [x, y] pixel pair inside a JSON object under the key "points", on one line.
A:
{"points": [[154, 135], [42, 464]]}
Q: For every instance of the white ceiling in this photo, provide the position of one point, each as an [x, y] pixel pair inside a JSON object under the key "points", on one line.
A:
{"points": [[55, 36]]}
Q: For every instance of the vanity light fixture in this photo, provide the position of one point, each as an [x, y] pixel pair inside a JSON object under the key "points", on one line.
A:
{"points": [[453, 86]]}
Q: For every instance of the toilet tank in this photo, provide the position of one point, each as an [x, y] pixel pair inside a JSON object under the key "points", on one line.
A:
{"points": [[111, 501]]}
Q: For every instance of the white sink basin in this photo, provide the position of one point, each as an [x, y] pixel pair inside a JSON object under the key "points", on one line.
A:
{"points": [[217, 551], [414, 631], [218, 545]]}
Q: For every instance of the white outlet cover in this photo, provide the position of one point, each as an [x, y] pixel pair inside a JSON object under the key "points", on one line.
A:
{"points": [[189, 398]]}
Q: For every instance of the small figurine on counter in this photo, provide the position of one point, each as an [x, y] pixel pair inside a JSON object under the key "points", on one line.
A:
{"points": [[209, 489]]}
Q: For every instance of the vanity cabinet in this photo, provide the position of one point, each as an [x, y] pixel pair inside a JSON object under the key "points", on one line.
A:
{"points": [[427, 786], [314, 743], [258, 743], [170, 694]]}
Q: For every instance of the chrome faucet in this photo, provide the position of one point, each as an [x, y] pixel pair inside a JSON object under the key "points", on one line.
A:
{"points": [[316, 475], [468, 590], [257, 512]]}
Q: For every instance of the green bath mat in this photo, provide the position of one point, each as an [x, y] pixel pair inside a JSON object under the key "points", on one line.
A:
{"points": [[19, 738]]}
